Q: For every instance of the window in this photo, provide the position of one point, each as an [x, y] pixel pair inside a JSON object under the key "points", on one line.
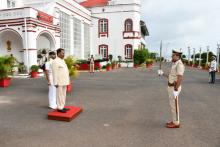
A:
{"points": [[128, 51], [77, 33], [103, 50], [128, 25], [65, 33], [86, 40], [103, 27], [10, 3]]}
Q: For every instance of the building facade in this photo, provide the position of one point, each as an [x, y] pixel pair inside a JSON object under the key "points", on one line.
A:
{"points": [[28, 26], [81, 27], [116, 27]]}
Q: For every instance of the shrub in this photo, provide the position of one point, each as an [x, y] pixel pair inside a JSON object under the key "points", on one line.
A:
{"points": [[6, 65], [72, 66], [149, 61], [140, 56], [35, 68]]}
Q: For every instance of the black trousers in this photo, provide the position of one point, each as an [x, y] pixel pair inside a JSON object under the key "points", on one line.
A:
{"points": [[212, 76]]}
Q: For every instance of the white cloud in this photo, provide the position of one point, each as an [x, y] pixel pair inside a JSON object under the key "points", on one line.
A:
{"points": [[182, 23]]}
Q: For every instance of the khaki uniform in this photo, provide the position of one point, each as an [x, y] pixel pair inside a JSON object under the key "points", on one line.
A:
{"points": [[60, 78], [176, 69]]}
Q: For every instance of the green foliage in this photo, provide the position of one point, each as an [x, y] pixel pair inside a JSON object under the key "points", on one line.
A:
{"points": [[140, 56], [108, 64], [110, 57], [183, 56], [72, 66], [35, 68], [6, 65], [104, 67], [153, 55], [119, 59], [149, 61]]}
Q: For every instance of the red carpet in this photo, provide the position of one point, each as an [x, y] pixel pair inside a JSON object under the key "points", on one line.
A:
{"points": [[68, 116]]}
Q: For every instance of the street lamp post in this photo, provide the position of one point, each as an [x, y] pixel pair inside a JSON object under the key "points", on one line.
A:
{"points": [[200, 57], [161, 44], [189, 55], [194, 56], [218, 52], [207, 58]]}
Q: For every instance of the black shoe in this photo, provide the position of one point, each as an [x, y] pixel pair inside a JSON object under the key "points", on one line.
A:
{"points": [[66, 109], [61, 111]]}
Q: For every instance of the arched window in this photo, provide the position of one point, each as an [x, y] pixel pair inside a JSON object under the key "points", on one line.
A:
{"points": [[103, 27], [128, 51], [128, 25], [103, 50]]}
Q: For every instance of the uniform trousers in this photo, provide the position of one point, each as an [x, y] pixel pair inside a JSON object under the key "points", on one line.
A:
{"points": [[174, 104], [61, 97], [52, 97]]}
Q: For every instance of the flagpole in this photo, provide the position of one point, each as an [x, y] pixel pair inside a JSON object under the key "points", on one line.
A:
{"points": [[160, 55]]}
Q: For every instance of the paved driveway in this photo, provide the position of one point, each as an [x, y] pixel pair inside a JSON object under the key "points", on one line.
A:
{"points": [[123, 108]]}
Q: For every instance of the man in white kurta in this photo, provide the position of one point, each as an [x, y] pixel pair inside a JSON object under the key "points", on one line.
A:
{"points": [[212, 70], [61, 79], [49, 77]]}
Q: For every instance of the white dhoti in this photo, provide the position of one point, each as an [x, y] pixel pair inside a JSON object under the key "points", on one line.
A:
{"points": [[52, 97], [174, 105]]}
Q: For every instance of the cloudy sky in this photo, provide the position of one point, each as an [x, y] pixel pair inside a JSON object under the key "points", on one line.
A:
{"points": [[182, 23]]}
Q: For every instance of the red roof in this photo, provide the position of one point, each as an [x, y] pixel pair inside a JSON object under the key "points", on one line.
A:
{"points": [[94, 3]]}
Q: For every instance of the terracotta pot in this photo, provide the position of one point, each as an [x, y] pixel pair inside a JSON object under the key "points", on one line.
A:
{"points": [[83, 66], [34, 74], [69, 87], [149, 65], [113, 66], [136, 65], [5, 82], [108, 68]]}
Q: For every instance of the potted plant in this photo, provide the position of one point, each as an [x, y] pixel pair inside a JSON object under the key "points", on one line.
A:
{"points": [[136, 64], [108, 67], [73, 72], [104, 67], [119, 61], [110, 57], [34, 71], [114, 63], [6, 64], [149, 63]]}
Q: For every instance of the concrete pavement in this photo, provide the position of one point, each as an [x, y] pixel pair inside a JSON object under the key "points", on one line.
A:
{"points": [[124, 108]]}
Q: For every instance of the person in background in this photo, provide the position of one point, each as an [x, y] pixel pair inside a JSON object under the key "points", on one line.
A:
{"points": [[61, 80], [92, 62], [213, 69], [49, 78]]}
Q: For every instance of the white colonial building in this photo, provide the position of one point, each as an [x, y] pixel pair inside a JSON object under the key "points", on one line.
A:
{"points": [[82, 28], [116, 28], [27, 26]]}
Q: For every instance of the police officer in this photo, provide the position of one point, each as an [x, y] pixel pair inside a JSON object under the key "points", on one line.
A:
{"points": [[175, 78]]}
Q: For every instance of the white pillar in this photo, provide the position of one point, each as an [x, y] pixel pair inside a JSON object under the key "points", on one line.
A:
{"points": [[91, 41], [71, 35], [82, 40], [26, 54]]}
